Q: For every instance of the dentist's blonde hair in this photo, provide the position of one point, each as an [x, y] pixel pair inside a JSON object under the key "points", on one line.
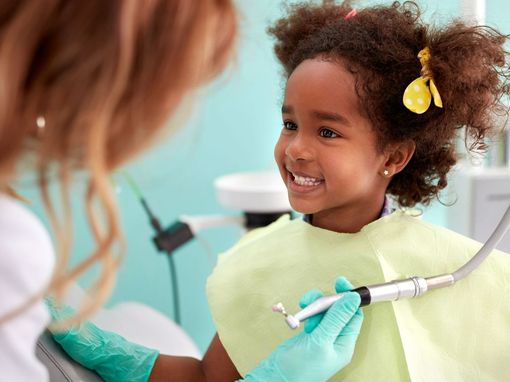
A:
{"points": [[105, 75]]}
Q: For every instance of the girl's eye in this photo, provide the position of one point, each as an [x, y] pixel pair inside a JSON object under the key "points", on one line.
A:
{"points": [[327, 133], [288, 125]]}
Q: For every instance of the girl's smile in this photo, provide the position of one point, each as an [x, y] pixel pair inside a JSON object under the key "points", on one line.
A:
{"points": [[300, 182]]}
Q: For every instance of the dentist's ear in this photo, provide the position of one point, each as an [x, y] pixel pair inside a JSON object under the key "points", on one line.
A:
{"points": [[398, 156]]}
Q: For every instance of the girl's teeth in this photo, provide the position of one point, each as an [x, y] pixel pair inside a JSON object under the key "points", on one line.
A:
{"points": [[306, 181]]}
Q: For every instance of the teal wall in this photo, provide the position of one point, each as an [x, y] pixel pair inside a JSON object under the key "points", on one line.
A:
{"points": [[498, 14], [233, 128]]}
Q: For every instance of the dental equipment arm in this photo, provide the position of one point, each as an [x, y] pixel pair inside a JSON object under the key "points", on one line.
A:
{"points": [[406, 288]]}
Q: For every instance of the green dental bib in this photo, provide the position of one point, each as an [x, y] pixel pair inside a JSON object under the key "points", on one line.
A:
{"points": [[460, 333]]}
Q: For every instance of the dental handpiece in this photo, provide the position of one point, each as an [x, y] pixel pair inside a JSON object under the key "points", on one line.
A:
{"points": [[405, 288], [390, 291]]}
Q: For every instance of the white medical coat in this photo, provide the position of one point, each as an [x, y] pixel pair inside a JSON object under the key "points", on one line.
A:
{"points": [[26, 265]]}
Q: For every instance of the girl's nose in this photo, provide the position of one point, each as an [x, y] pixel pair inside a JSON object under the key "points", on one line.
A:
{"points": [[299, 148]]}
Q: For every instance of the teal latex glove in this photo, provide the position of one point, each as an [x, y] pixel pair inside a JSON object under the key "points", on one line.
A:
{"points": [[322, 349], [341, 285], [112, 356]]}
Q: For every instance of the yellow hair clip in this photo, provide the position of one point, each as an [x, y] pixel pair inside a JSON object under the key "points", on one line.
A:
{"points": [[417, 96]]}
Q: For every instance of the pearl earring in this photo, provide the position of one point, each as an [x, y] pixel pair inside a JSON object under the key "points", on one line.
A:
{"points": [[386, 172], [40, 122]]}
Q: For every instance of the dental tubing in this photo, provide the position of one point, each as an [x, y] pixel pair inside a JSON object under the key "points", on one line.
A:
{"points": [[406, 288]]}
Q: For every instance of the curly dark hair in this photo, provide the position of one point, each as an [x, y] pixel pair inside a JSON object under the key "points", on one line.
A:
{"points": [[380, 45]]}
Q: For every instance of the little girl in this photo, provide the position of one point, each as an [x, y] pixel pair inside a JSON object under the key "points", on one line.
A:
{"points": [[373, 102], [372, 105]]}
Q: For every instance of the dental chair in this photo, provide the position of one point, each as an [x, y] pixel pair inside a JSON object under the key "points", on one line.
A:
{"points": [[134, 321]]}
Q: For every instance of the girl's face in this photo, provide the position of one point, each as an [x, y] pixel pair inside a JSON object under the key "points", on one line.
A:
{"points": [[327, 152]]}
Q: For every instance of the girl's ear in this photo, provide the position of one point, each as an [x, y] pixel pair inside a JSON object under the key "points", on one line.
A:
{"points": [[397, 156]]}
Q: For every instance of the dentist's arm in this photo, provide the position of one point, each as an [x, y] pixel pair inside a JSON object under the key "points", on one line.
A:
{"points": [[116, 359], [325, 347]]}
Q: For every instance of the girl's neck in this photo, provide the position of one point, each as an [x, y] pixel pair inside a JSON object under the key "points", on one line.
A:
{"points": [[348, 220]]}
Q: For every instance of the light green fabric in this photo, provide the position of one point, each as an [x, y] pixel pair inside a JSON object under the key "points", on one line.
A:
{"points": [[460, 333]]}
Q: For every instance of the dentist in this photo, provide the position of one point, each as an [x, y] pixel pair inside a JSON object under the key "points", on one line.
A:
{"points": [[84, 87]]}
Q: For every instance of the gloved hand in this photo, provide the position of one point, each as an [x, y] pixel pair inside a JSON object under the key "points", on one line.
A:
{"points": [[109, 354], [322, 349], [341, 285]]}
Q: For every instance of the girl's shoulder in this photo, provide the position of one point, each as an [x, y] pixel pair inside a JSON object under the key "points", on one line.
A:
{"points": [[416, 245]]}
